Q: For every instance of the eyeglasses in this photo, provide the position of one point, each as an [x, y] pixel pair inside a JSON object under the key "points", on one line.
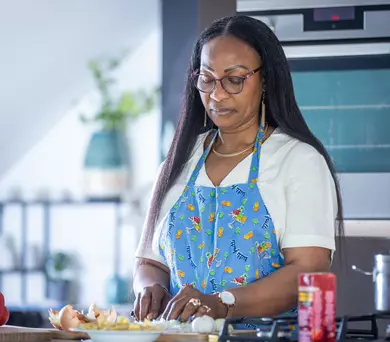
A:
{"points": [[231, 84]]}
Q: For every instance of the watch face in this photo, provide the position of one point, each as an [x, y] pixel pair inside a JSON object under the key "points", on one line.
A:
{"points": [[227, 297]]}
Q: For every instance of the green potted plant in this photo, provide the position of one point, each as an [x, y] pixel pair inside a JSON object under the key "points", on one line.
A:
{"points": [[106, 162], [59, 271]]}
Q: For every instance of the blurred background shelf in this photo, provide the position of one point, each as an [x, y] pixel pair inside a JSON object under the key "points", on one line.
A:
{"points": [[24, 271], [62, 202]]}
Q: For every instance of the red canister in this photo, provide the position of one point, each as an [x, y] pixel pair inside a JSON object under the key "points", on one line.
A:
{"points": [[317, 307]]}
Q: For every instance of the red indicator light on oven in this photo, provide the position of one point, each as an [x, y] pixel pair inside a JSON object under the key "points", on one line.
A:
{"points": [[335, 17]]}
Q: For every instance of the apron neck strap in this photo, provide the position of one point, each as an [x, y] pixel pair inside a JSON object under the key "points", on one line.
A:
{"points": [[201, 161], [255, 163]]}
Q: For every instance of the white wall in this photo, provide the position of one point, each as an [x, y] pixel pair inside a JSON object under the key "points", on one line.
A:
{"points": [[45, 46], [54, 164]]}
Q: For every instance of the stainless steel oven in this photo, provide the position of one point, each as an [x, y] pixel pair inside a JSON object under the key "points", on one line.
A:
{"points": [[339, 55]]}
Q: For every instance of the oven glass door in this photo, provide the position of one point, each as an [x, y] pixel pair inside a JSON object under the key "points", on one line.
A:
{"points": [[346, 103]]}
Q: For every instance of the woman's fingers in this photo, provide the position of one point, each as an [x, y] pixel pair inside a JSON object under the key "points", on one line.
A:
{"points": [[202, 310], [171, 302], [184, 304], [137, 306], [157, 296], [145, 301], [167, 309], [175, 308], [190, 309], [149, 302], [155, 299], [165, 302]]}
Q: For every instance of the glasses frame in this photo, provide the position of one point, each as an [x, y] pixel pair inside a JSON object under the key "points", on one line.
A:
{"points": [[244, 78]]}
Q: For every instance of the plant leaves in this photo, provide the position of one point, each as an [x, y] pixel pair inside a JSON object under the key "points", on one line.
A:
{"points": [[116, 110]]}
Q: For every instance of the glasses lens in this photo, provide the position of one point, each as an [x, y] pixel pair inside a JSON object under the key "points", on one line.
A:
{"points": [[204, 83], [233, 84]]}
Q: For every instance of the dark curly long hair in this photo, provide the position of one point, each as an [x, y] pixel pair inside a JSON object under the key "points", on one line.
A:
{"points": [[282, 108]]}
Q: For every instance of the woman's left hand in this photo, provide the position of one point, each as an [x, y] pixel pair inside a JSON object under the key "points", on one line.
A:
{"points": [[191, 302]]}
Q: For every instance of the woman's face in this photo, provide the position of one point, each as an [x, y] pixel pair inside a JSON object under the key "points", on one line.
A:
{"points": [[229, 56]]}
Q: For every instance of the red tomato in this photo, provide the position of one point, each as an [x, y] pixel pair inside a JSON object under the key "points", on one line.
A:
{"points": [[4, 316]]}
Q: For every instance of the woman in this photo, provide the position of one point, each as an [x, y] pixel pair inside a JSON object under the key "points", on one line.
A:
{"points": [[247, 197]]}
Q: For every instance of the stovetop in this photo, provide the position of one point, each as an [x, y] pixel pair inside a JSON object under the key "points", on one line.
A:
{"points": [[279, 329]]}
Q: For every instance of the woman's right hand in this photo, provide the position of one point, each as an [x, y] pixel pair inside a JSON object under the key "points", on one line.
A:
{"points": [[151, 302]]}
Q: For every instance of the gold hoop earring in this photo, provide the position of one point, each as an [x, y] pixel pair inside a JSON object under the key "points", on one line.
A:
{"points": [[205, 119]]}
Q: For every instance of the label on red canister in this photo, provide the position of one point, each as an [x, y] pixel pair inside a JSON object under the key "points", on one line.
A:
{"points": [[317, 307]]}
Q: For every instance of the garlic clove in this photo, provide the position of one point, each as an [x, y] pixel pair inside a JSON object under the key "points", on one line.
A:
{"points": [[203, 325]]}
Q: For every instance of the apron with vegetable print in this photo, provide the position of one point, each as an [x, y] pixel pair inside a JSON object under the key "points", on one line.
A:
{"points": [[217, 238]]}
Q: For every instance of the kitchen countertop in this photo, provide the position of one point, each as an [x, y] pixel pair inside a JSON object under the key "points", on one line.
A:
{"points": [[367, 228], [70, 340], [18, 333]]}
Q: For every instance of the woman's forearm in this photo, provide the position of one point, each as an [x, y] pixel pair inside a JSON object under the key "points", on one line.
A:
{"points": [[270, 296], [278, 292], [147, 273]]}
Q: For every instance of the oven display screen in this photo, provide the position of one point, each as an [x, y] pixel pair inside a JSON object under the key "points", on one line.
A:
{"points": [[334, 14]]}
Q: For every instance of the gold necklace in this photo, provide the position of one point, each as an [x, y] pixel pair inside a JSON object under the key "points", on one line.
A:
{"points": [[235, 154]]}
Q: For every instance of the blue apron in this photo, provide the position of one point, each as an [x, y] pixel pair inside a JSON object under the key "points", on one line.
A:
{"points": [[217, 238]]}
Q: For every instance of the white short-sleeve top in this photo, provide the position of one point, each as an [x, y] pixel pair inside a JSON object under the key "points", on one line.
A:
{"points": [[296, 186]]}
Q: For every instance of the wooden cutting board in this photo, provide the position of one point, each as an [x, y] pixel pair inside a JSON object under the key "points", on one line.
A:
{"points": [[200, 337], [183, 337], [64, 335], [10, 333]]}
